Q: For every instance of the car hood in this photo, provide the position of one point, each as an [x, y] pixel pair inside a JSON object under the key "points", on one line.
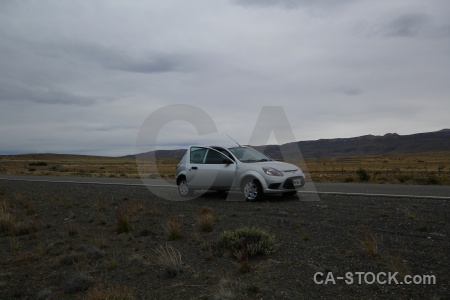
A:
{"points": [[279, 165]]}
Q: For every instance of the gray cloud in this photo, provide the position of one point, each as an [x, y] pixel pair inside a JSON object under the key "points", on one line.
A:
{"points": [[408, 25], [292, 4], [443, 31], [114, 58], [349, 91], [81, 76], [154, 63], [289, 4], [17, 92]]}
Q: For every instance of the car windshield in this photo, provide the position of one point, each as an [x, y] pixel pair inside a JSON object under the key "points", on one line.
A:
{"points": [[246, 154]]}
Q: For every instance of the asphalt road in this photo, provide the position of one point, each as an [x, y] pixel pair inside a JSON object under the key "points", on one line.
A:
{"points": [[380, 190]]}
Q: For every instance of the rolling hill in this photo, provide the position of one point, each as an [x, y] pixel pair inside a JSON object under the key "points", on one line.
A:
{"points": [[367, 145]]}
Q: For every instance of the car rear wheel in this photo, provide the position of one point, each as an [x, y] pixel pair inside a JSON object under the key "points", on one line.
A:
{"points": [[252, 190], [183, 188]]}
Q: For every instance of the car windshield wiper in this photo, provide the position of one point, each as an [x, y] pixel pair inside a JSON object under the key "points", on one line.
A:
{"points": [[255, 160], [250, 160]]}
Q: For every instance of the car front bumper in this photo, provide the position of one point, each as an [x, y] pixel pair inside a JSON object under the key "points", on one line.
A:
{"points": [[286, 185]]}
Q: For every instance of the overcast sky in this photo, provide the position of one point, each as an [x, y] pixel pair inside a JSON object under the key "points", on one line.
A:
{"points": [[82, 76]]}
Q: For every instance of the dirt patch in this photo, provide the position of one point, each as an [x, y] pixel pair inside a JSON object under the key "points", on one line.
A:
{"points": [[66, 241]]}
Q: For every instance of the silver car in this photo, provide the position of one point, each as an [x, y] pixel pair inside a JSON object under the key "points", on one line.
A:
{"points": [[236, 168]]}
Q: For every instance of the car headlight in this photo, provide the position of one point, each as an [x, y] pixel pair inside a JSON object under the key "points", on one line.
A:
{"points": [[272, 171]]}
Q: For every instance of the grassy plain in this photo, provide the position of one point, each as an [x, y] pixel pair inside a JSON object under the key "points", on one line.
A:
{"points": [[90, 241], [418, 168]]}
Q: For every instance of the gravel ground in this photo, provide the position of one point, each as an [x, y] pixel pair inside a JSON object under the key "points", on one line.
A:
{"points": [[63, 241]]}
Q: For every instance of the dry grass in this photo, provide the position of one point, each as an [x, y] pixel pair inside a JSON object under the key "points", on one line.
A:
{"points": [[173, 228], [170, 260], [14, 243], [28, 204], [206, 219], [11, 225], [72, 228], [370, 242], [397, 264], [123, 222], [418, 168], [110, 292], [69, 165], [7, 222], [3, 191], [227, 290]]}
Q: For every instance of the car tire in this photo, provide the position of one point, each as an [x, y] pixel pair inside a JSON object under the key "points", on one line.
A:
{"points": [[252, 190], [183, 189], [289, 194]]}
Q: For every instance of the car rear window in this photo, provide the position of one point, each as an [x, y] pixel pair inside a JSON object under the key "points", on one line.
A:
{"points": [[198, 155]]}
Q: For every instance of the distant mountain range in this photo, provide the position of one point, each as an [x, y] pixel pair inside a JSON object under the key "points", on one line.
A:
{"points": [[367, 145]]}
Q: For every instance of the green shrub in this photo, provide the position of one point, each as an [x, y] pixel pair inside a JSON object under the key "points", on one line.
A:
{"points": [[246, 242], [404, 178], [38, 164], [348, 179], [362, 174], [427, 181], [432, 181]]}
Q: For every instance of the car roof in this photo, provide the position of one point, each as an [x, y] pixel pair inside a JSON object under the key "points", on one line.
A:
{"points": [[215, 146]]}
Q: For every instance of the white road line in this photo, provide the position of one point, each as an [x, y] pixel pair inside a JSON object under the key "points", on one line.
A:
{"points": [[88, 182], [174, 186], [377, 195]]}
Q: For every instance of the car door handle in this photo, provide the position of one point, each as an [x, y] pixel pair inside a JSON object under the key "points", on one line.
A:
{"points": [[194, 168]]}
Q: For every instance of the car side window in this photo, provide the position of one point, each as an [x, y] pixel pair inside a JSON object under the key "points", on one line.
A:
{"points": [[226, 153], [214, 157], [197, 155]]}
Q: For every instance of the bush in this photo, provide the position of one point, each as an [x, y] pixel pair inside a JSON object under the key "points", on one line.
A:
{"points": [[38, 164], [432, 181], [246, 242], [404, 178], [362, 174], [348, 179], [76, 283], [427, 181]]}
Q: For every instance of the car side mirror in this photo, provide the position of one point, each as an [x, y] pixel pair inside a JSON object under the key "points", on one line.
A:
{"points": [[227, 161]]}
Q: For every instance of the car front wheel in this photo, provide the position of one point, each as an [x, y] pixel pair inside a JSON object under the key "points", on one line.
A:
{"points": [[183, 188], [252, 190], [290, 194]]}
